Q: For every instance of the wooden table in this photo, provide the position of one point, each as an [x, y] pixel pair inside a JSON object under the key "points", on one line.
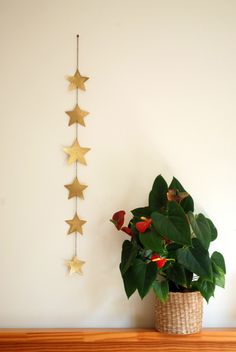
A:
{"points": [[114, 340]]}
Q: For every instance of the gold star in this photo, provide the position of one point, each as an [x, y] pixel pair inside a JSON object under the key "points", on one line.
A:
{"points": [[76, 153], [75, 265], [76, 189], [77, 116], [75, 224], [77, 81]]}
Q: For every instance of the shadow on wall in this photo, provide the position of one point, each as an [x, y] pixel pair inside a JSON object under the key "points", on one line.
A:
{"points": [[143, 312], [105, 294], [232, 295], [125, 185]]}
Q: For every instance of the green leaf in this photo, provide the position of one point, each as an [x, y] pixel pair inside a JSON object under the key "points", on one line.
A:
{"points": [[174, 226], [157, 196], [129, 282], [196, 259], [219, 261], [179, 275], [201, 228], [161, 288], [206, 288], [218, 268], [144, 275], [213, 229], [128, 255], [138, 212], [151, 240], [172, 248], [187, 203], [219, 278]]}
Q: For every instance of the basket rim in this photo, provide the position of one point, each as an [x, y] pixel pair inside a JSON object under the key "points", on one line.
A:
{"points": [[185, 293]]}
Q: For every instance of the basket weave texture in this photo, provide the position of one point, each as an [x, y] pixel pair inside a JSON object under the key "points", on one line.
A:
{"points": [[180, 314]]}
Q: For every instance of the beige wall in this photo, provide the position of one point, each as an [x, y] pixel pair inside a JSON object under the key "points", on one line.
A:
{"points": [[161, 99]]}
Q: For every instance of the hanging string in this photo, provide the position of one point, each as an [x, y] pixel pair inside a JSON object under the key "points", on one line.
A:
{"points": [[77, 57], [76, 156], [76, 136], [75, 252], [77, 63]]}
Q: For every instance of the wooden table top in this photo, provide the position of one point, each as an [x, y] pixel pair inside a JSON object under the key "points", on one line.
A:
{"points": [[115, 340]]}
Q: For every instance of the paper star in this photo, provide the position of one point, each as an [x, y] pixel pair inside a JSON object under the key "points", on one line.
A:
{"points": [[77, 116], [75, 265], [75, 225], [76, 189], [76, 153], [77, 81]]}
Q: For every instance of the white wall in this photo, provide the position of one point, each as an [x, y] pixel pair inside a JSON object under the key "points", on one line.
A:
{"points": [[161, 99]]}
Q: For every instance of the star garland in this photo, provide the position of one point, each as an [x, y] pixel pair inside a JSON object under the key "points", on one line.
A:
{"points": [[76, 154]]}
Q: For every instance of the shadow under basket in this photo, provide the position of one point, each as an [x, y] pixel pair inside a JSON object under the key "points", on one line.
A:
{"points": [[180, 314]]}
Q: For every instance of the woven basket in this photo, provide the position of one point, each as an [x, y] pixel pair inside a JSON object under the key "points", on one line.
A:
{"points": [[180, 314]]}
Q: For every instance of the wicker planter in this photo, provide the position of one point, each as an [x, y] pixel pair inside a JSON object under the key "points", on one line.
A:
{"points": [[181, 314]]}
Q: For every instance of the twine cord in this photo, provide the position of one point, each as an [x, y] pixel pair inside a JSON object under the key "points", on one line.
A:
{"points": [[76, 136]]}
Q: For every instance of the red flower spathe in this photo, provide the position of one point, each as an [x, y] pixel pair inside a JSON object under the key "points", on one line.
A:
{"points": [[160, 262], [127, 230], [118, 219], [142, 226]]}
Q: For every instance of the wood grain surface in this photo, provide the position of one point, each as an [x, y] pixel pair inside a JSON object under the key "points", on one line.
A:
{"points": [[114, 340]]}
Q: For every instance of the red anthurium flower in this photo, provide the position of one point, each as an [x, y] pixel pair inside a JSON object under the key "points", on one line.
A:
{"points": [[142, 226], [127, 230], [160, 262], [118, 219]]}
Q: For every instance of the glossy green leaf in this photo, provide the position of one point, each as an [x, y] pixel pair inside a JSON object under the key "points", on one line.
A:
{"points": [[151, 240], [196, 259], [128, 255], [219, 278], [161, 288], [179, 275], [213, 229], [172, 248], [206, 288], [138, 212], [144, 274], [174, 226], [218, 267], [219, 261], [200, 228], [157, 196], [129, 282]]}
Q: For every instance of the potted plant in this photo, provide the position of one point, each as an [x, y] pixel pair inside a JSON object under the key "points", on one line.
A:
{"points": [[168, 252]]}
